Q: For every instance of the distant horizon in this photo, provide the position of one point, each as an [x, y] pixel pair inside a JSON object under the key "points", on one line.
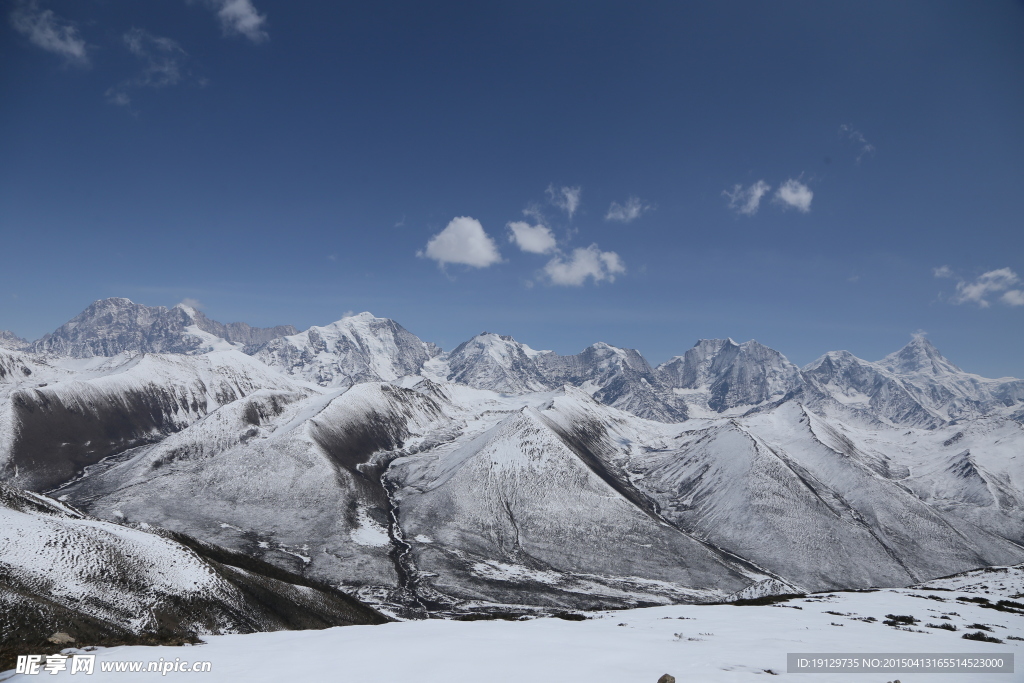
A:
{"points": [[195, 305]]}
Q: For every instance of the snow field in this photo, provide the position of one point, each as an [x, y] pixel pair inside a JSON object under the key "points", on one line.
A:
{"points": [[717, 644]]}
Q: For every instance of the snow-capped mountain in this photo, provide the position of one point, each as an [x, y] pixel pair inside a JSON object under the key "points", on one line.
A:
{"points": [[357, 348], [357, 454], [720, 375], [617, 377], [496, 362], [914, 386], [9, 340], [112, 326]]}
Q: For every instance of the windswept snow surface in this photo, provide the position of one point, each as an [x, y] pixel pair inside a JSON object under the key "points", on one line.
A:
{"points": [[700, 643]]}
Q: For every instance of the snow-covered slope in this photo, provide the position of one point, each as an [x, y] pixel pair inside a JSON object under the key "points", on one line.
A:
{"points": [[293, 482], [358, 454], [358, 348], [51, 430], [61, 571], [615, 377], [9, 340], [517, 509]]}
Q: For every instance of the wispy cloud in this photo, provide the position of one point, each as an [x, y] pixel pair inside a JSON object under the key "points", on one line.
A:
{"points": [[746, 201], [864, 147], [981, 289], [240, 17], [628, 212], [1014, 297], [536, 239], [162, 60], [464, 242], [565, 198], [794, 194], [582, 264], [48, 31], [192, 303]]}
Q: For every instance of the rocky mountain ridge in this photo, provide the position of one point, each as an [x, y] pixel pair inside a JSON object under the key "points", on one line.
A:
{"points": [[495, 474], [914, 386]]}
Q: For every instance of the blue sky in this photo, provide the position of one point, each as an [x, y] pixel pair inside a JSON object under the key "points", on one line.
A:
{"points": [[813, 175]]}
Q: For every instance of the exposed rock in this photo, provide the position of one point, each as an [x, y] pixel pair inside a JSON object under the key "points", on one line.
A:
{"points": [[112, 326]]}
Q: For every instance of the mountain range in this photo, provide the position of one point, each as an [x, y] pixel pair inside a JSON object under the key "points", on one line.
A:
{"points": [[424, 481]]}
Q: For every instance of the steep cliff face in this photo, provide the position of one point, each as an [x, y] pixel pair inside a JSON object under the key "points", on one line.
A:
{"points": [[720, 375]]}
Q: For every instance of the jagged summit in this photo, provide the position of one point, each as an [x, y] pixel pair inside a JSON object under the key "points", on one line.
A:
{"points": [[356, 348], [496, 362], [919, 356], [730, 374], [915, 385], [116, 325]]}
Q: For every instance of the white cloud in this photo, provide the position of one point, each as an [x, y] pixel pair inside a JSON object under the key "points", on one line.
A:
{"points": [[162, 57], [118, 97], [533, 211], [943, 271], [626, 213], [857, 137], [535, 239], [583, 263], [986, 284], [565, 198], [794, 194], [746, 201], [241, 17], [1014, 297], [462, 241], [192, 303], [46, 30]]}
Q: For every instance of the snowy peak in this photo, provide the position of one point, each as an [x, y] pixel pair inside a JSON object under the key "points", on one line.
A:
{"points": [[357, 348], [9, 340], [919, 357], [915, 386], [732, 374], [117, 325], [496, 362], [617, 377]]}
